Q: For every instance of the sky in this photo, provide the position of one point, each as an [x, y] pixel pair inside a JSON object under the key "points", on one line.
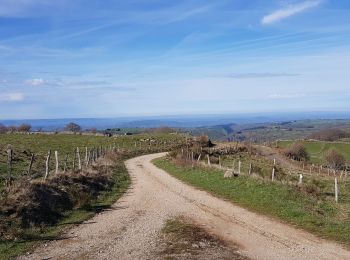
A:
{"points": [[66, 59]]}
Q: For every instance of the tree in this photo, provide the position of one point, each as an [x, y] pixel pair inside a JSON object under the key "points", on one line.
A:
{"points": [[25, 128], [335, 159], [297, 152], [3, 129], [73, 127]]}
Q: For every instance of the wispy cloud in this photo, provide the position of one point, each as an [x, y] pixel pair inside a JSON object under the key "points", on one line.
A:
{"points": [[36, 82], [11, 97], [260, 75], [289, 11]]}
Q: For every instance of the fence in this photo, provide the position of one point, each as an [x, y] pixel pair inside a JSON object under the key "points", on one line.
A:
{"points": [[20, 164], [304, 176]]}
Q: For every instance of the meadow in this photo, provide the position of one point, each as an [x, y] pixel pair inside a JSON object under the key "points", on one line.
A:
{"points": [[318, 149], [24, 145]]}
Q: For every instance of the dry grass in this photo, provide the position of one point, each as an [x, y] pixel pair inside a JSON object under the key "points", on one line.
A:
{"points": [[39, 203], [182, 239]]}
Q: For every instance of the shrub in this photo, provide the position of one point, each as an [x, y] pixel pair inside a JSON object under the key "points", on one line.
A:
{"points": [[25, 128], [297, 152], [73, 127], [204, 141], [335, 159]]}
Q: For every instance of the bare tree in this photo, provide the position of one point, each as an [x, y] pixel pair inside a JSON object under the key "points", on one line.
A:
{"points": [[297, 152], [73, 127], [335, 159], [25, 128]]}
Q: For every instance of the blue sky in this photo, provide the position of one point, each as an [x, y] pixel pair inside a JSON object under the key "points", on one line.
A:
{"points": [[95, 58]]}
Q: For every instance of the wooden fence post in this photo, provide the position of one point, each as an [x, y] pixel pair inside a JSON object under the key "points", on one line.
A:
{"points": [[74, 159], [273, 174], [208, 159], [47, 166], [65, 163], [9, 165], [79, 160], [250, 169], [239, 167], [300, 179], [336, 190], [86, 156], [56, 158], [31, 164]]}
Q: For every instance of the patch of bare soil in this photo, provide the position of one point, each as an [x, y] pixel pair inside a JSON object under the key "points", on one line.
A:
{"points": [[182, 239]]}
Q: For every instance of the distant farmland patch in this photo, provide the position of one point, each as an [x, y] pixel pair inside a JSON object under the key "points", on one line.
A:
{"points": [[318, 149]]}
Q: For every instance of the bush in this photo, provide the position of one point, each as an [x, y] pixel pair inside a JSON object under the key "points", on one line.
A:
{"points": [[335, 159], [73, 127], [297, 152], [204, 141], [25, 128]]}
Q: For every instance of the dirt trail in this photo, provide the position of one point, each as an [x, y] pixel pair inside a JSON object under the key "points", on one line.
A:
{"points": [[130, 229]]}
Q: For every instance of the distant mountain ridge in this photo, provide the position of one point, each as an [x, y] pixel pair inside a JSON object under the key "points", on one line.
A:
{"points": [[179, 121]]}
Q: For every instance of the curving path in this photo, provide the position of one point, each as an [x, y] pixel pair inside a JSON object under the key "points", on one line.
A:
{"points": [[130, 229]]}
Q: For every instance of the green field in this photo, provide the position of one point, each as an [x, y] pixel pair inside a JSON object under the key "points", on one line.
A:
{"points": [[317, 149], [315, 212], [39, 144]]}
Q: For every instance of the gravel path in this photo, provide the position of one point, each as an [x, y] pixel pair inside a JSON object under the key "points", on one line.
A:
{"points": [[130, 229]]}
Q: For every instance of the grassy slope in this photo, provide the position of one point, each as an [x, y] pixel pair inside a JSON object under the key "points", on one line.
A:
{"points": [[273, 199], [317, 149], [10, 249]]}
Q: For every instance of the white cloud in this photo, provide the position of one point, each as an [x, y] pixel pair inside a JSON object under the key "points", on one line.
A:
{"points": [[35, 82], [11, 97], [289, 11]]}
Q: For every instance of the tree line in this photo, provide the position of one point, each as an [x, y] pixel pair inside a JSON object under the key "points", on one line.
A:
{"points": [[26, 128]]}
